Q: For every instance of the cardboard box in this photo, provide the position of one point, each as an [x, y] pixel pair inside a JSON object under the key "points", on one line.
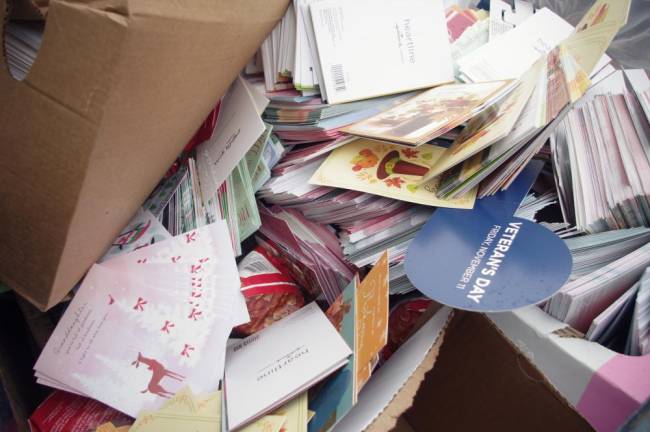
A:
{"points": [[604, 386], [117, 90], [460, 374]]}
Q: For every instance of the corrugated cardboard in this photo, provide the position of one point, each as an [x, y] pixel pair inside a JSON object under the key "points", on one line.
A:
{"points": [[117, 90], [604, 386], [480, 381], [461, 374]]}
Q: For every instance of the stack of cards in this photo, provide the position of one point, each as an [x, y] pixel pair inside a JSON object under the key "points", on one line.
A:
{"points": [[313, 53], [431, 113], [292, 186], [312, 250], [174, 304], [583, 299], [624, 325], [219, 181], [533, 204], [263, 157], [292, 124], [602, 157], [229, 165], [593, 251], [22, 42], [512, 53]]}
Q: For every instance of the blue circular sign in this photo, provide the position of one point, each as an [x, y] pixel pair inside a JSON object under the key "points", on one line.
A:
{"points": [[486, 259]]}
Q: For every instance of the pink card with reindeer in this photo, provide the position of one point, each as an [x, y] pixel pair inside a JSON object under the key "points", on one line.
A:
{"points": [[148, 323]]}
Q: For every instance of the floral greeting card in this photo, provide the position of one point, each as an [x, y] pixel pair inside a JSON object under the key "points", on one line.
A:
{"points": [[388, 170]]}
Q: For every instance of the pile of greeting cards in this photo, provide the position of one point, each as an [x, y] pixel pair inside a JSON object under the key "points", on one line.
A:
{"points": [[268, 270]]}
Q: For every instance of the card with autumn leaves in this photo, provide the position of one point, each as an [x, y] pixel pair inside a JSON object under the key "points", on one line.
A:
{"points": [[388, 170]]}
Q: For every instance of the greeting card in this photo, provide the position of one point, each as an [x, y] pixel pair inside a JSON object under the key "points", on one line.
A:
{"points": [[183, 412], [148, 323], [143, 230], [292, 417], [360, 314], [267, 369], [388, 170], [431, 113]]}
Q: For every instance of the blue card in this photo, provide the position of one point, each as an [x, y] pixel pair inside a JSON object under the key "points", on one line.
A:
{"points": [[486, 259]]}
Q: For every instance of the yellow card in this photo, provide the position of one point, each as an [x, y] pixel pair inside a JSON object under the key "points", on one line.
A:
{"points": [[604, 12], [210, 405], [387, 170], [588, 46], [371, 319], [143, 422], [109, 427], [577, 79], [596, 30], [106, 427], [297, 414], [269, 423], [174, 423], [181, 403], [429, 114]]}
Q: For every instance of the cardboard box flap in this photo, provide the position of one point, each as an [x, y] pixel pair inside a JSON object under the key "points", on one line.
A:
{"points": [[27, 10], [110, 102], [603, 385], [79, 42], [120, 7], [482, 382], [185, 10]]}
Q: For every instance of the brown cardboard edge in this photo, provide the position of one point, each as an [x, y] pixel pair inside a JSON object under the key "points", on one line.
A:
{"points": [[462, 343], [529, 369], [26, 10], [390, 416]]}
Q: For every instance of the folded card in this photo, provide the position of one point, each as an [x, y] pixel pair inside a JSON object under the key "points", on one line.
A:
{"points": [[267, 369], [388, 170]]}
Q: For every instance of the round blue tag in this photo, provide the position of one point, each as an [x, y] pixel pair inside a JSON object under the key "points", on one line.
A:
{"points": [[486, 259]]}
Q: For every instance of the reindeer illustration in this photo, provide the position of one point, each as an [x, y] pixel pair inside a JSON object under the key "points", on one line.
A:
{"points": [[158, 373]]}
